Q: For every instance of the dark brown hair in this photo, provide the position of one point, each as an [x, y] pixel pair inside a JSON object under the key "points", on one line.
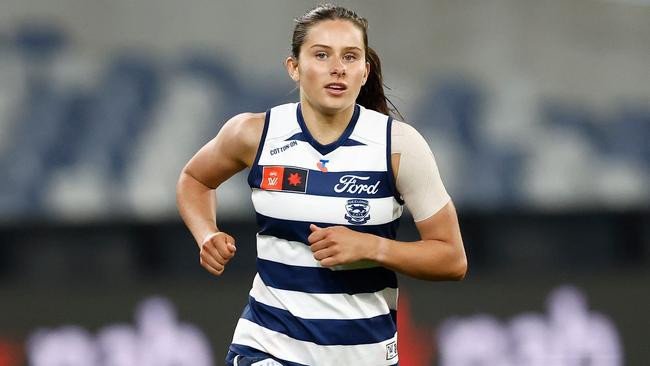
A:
{"points": [[372, 94]]}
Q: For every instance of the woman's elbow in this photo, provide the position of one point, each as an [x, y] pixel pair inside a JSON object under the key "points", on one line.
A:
{"points": [[460, 269], [458, 264], [454, 269], [181, 186]]}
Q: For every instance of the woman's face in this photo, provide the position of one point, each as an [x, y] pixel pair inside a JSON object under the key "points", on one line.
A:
{"points": [[331, 66]]}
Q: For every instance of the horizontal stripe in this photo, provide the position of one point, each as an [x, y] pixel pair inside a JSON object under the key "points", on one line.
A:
{"points": [[323, 280], [302, 155], [296, 253], [302, 207], [325, 332], [282, 346], [300, 231], [245, 351], [292, 253], [350, 184], [326, 306]]}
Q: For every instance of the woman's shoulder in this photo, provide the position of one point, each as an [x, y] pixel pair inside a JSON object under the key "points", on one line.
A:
{"points": [[399, 128], [245, 127], [247, 121], [406, 139], [241, 135]]}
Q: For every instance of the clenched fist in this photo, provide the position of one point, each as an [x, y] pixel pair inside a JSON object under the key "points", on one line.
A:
{"points": [[216, 251], [338, 245]]}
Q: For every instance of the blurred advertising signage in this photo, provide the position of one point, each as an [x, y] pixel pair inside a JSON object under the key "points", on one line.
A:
{"points": [[568, 335], [11, 352], [156, 339]]}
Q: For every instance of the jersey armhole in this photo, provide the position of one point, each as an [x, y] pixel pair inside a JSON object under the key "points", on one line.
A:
{"points": [[254, 172], [389, 162]]}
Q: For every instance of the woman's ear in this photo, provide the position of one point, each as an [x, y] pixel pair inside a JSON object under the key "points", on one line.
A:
{"points": [[291, 64], [365, 75]]}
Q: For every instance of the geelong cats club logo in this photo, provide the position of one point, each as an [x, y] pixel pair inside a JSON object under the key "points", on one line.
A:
{"points": [[358, 211]]}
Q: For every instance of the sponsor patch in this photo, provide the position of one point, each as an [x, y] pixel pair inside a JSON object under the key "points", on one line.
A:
{"points": [[321, 165], [283, 148], [280, 178], [358, 211], [391, 350], [352, 184]]}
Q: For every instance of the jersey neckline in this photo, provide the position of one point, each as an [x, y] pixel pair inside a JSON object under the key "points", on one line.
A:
{"points": [[328, 148]]}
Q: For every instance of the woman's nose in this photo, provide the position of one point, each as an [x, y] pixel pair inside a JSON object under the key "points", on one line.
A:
{"points": [[338, 67]]}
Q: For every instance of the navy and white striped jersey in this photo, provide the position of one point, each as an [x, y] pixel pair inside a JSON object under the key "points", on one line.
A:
{"points": [[299, 312]]}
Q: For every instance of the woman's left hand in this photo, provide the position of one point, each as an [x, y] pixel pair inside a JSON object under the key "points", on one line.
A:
{"points": [[336, 245]]}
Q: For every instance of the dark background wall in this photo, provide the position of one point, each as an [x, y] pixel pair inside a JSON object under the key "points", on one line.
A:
{"points": [[94, 275]]}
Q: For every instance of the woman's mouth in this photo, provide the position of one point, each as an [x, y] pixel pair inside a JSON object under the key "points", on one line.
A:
{"points": [[336, 88]]}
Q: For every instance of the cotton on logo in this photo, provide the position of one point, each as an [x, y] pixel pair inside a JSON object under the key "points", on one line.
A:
{"points": [[570, 335], [158, 339]]}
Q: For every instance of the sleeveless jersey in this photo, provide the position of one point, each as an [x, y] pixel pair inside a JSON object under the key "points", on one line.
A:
{"points": [[298, 311]]}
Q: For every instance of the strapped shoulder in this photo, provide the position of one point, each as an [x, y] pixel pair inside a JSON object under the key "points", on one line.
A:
{"points": [[418, 178]]}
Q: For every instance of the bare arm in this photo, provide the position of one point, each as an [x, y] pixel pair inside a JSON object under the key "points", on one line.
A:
{"points": [[232, 150], [439, 255]]}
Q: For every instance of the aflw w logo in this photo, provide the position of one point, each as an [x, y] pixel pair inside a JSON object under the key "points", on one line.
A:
{"points": [[272, 180]]}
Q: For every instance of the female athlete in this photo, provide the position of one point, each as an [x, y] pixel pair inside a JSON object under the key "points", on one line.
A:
{"points": [[329, 178]]}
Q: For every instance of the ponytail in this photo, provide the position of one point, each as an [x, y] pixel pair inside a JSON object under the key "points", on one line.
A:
{"points": [[372, 94]]}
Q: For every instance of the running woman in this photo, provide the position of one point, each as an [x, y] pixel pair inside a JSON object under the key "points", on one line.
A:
{"points": [[330, 176]]}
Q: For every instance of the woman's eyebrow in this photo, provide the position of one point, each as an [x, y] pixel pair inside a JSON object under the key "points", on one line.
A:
{"points": [[328, 47]]}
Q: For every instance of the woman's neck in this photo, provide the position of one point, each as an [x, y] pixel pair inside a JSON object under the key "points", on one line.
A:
{"points": [[324, 127]]}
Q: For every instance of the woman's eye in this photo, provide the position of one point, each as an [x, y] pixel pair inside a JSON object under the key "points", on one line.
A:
{"points": [[350, 57], [321, 55]]}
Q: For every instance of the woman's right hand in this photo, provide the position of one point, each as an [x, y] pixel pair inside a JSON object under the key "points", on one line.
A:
{"points": [[232, 150], [216, 251]]}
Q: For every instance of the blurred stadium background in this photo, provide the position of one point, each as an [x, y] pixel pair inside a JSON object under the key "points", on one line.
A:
{"points": [[538, 113]]}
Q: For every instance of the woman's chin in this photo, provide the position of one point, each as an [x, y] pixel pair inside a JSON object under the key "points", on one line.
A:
{"points": [[335, 106]]}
